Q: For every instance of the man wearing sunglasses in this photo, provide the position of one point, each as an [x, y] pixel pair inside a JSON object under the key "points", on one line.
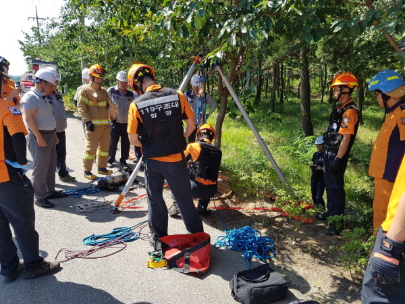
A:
{"points": [[92, 105], [389, 146]]}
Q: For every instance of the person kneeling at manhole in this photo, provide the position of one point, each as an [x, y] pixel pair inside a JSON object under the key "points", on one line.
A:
{"points": [[203, 160]]}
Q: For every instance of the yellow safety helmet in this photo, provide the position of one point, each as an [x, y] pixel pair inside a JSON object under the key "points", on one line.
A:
{"points": [[97, 71]]}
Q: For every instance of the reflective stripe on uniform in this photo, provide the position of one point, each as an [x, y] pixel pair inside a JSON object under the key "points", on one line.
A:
{"points": [[90, 103], [85, 100], [100, 122], [87, 156], [102, 103], [100, 153]]}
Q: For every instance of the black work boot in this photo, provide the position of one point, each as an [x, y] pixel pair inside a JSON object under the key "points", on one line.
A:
{"points": [[332, 230], [44, 268], [8, 278], [174, 210], [202, 210]]}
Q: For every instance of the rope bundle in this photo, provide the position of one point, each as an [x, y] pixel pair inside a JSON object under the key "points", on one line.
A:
{"points": [[250, 241]]}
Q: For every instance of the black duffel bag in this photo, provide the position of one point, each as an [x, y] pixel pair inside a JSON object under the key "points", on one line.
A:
{"points": [[260, 285]]}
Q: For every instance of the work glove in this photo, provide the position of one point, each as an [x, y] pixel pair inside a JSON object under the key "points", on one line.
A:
{"points": [[384, 264], [89, 126], [335, 165], [16, 165]]}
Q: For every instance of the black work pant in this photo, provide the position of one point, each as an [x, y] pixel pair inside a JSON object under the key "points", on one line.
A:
{"points": [[334, 184], [178, 178], [61, 155], [373, 292], [118, 130], [317, 189], [202, 192], [17, 210]]}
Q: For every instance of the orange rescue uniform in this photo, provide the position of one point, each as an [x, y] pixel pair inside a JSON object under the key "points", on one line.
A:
{"points": [[134, 118], [386, 157], [11, 118]]}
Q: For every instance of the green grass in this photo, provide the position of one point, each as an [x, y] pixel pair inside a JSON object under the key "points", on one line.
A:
{"points": [[247, 164]]}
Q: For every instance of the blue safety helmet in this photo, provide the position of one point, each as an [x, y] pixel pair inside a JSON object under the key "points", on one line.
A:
{"points": [[386, 82]]}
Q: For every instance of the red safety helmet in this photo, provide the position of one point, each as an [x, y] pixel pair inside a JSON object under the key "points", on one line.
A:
{"points": [[345, 79], [207, 129], [136, 72], [97, 71]]}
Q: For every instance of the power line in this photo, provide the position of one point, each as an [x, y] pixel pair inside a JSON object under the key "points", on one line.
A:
{"points": [[36, 17]]}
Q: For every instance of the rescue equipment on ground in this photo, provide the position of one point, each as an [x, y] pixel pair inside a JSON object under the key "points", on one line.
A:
{"points": [[251, 126], [250, 241], [91, 205], [188, 253], [261, 284], [118, 236], [156, 260], [127, 187]]}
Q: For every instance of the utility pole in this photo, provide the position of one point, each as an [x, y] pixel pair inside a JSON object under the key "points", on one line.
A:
{"points": [[36, 17]]}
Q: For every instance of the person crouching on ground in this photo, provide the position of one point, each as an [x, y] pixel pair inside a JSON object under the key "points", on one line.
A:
{"points": [[203, 160]]}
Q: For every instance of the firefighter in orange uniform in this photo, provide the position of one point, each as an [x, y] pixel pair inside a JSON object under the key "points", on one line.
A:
{"points": [[389, 147], [384, 280], [338, 141], [203, 160], [93, 102], [155, 123], [16, 191]]}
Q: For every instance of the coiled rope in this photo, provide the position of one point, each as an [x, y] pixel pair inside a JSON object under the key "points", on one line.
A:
{"points": [[118, 236], [91, 205], [76, 193], [247, 239]]}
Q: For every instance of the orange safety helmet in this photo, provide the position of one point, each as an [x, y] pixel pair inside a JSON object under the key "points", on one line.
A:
{"points": [[137, 71], [207, 129], [97, 71], [345, 79]]}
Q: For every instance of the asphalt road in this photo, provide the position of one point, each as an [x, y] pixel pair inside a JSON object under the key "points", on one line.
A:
{"points": [[122, 277]]}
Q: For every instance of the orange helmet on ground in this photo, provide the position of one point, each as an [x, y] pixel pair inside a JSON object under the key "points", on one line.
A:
{"points": [[345, 79], [136, 74], [97, 71], [208, 130]]}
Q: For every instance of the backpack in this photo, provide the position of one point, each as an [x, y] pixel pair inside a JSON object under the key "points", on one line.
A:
{"points": [[188, 253], [260, 285]]}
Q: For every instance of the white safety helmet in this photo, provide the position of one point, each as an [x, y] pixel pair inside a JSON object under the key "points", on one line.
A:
{"points": [[85, 74], [56, 72], [122, 76], [195, 80], [47, 75], [319, 140]]}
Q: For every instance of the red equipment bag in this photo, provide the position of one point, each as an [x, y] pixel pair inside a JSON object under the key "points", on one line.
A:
{"points": [[188, 253]]}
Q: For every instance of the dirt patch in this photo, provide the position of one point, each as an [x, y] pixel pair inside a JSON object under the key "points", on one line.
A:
{"points": [[304, 254]]}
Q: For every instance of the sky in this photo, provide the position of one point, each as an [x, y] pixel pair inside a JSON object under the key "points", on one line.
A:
{"points": [[14, 20]]}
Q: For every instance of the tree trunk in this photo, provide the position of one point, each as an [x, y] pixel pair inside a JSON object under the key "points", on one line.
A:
{"points": [[267, 85], [325, 82], [306, 122], [223, 96], [299, 90], [282, 83], [274, 88], [360, 99], [259, 87]]}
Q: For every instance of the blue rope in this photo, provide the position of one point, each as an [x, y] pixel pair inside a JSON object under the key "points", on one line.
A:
{"points": [[247, 239], [123, 234], [77, 193]]}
